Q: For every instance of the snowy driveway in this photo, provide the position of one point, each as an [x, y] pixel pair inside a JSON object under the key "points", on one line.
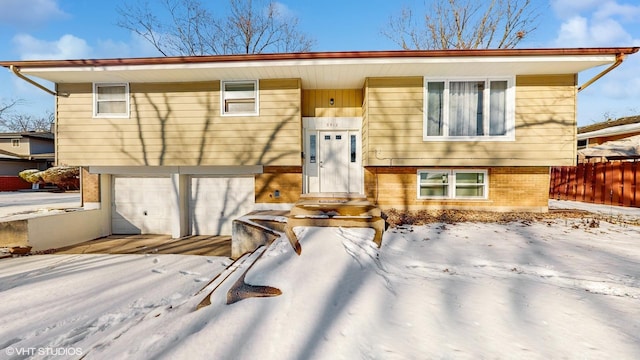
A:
{"points": [[18, 204], [552, 289]]}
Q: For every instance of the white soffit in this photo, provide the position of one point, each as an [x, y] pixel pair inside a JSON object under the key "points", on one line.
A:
{"points": [[325, 73]]}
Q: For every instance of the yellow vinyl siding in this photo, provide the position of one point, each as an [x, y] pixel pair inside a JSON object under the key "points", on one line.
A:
{"points": [[545, 127], [180, 124], [347, 103]]}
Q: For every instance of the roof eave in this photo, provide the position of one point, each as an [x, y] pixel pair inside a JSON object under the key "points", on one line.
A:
{"points": [[323, 56], [610, 131]]}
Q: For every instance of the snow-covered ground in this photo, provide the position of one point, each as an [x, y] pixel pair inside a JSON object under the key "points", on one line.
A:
{"points": [[554, 289], [17, 205]]}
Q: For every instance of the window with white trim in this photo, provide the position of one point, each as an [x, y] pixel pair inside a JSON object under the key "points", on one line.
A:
{"points": [[111, 100], [469, 109], [239, 97], [452, 184]]}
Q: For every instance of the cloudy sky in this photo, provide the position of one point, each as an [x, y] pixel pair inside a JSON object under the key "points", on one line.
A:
{"points": [[68, 29]]}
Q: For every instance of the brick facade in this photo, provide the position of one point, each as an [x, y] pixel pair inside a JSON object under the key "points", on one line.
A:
{"points": [[287, 180], [90, 186], [510, 189]]}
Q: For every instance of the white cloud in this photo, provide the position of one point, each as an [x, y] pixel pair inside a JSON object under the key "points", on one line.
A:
{"points": [[602, 25], [135, 46], [613, 9], [67, 47], [570, 8], [283, 10], [580, 32], [72, 47], [29, 13]]}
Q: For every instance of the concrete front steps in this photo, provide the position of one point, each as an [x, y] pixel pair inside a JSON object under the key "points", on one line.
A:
{"points": [[316, 210]]}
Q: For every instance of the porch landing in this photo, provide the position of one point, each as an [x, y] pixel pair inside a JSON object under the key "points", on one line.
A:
{"points": [[317, 210]]}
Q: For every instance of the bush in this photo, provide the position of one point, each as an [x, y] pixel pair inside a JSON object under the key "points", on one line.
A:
{"points": [[31, 176], [64, 177]]}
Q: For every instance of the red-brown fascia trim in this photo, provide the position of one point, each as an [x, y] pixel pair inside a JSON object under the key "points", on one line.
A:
{"points": [[321, 56]]}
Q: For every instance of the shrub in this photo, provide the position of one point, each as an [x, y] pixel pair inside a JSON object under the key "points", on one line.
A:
{"points": [[64, 177], [31, 176]]}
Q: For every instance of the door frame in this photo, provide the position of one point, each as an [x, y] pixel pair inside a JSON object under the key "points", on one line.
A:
{"points": [[313, 125]]}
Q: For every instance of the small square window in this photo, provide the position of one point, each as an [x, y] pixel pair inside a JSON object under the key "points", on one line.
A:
{"points": [[111, 100], [239, 98], [15, 142], [452, 184], [470, 184], [433, 184]]}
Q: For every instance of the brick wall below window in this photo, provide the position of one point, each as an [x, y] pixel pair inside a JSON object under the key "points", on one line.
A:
{"points": [[510, 189]]}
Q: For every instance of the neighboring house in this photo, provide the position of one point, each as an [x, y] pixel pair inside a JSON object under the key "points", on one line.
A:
{"points": [[21, 151], [598, 133], [182, 145], [609, 140]]}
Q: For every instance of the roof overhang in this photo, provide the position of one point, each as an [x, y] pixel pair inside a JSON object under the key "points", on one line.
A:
{"points": [[611, 131], [324, 70]]}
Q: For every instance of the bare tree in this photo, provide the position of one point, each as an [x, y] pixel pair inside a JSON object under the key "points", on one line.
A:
{"points": [[464, 24], [26, 123], [5, 108], [186, 27]]}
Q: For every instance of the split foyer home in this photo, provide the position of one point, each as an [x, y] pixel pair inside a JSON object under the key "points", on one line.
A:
{"points": [[183, 145]]}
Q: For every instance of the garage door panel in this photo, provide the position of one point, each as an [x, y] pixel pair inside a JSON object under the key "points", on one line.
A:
{"points": [[216, 201], [141, 205]]}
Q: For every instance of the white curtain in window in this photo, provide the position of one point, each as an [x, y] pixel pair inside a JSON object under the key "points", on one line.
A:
{"points": [[498, 108], [465, 108], [435, 101]]}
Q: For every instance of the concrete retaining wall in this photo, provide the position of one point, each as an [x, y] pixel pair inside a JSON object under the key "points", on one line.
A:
{"points": [[56, 230]]}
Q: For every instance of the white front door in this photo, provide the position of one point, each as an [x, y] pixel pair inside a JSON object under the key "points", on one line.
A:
{"points": [[334, 161], [333, 155]]}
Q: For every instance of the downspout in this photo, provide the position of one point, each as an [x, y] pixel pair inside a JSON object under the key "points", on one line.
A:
{"points": [[619, 60], [16, 71]]}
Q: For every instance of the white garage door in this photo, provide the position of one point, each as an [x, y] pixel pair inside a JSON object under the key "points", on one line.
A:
{"points": [[216, 201], [141, 205]]}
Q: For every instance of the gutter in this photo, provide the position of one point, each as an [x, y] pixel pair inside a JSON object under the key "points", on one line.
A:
{"points": [[619, 60], [16, 71], [327, 55]]}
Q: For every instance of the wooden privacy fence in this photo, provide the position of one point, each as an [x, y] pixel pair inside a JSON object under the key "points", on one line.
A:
{"points": [[611, 183]]}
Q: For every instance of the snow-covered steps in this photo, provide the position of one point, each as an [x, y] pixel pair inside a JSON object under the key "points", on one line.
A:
{"points": [[256, 229], [335, 211]]}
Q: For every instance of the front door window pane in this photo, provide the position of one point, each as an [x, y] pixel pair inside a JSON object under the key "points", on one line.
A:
{"points": [[312, 149]]}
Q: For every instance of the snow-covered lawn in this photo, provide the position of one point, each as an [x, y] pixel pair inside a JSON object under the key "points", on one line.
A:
{"points": [[554, 289], [18, 205]]}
